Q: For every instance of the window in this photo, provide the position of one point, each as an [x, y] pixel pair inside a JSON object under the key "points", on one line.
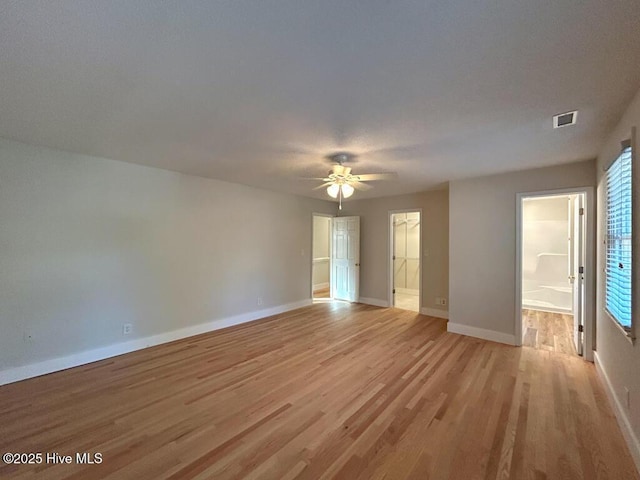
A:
{"points": [[618, 266]]}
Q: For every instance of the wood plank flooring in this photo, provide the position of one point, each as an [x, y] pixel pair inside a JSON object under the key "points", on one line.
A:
{"points": [[322, 293], [548, 331], [406, 301], [328, 391]]}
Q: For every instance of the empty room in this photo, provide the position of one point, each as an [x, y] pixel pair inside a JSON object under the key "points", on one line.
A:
{"points": [[319, 240]]}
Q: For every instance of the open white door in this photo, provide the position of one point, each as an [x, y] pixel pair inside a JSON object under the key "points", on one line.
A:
{"points": [[577, 277], [346, 258]]}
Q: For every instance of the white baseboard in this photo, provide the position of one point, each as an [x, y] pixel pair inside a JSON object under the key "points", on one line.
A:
{"points": [[485, 334], [81, 358], [320, 286], [621, 415], [376, 302], [432, 312]]}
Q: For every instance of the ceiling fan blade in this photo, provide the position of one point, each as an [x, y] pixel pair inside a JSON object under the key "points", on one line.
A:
{"points": [[324, 179], [323, 185], [368, 177], [359, 185]]}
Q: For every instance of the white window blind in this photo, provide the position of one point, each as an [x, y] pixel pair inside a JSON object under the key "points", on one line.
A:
{"points": [[618, 266]]}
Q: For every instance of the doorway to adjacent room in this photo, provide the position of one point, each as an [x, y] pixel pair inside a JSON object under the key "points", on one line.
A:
{"points": [[405, 266], [554, 271], [321, 258]]}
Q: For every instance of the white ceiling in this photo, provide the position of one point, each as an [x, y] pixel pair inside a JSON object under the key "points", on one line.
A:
{"points": [[259, 92]]}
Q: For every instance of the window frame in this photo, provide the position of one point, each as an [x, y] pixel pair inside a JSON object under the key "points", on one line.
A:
{"points": [[627, 149]]}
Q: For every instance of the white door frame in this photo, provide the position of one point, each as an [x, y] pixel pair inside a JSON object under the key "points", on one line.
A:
{"points": [[390, 256], [589, 274], [578, 289], [328, 215]]}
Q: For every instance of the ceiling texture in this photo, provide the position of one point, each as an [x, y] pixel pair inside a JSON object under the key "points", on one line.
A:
{"points": [[260, 92]]}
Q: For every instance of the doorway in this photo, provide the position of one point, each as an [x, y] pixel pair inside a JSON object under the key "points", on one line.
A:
{"points": [[345, 259], [405, 266], [554, 271], [321, 258], [335, 259]]}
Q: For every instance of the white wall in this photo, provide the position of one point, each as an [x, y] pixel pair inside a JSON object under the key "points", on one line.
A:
{"points": [[87, 244], [482, 244], [374, 244], [321, 250], [615, 354]]}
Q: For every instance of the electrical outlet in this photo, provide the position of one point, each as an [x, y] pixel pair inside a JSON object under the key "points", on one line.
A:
{"points": [[259, 301], [443, 302], [127, 328]]}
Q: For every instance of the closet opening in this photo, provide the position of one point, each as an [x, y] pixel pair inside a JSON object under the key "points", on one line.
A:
{"points": [[405, 266]]}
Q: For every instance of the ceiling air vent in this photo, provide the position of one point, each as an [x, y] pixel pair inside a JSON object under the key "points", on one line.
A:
{"points": [[565, 119]]}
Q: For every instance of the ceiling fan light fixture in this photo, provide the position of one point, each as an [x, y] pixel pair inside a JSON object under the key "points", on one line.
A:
{"points": [[333, 190], [347, 190], [341, 183]]}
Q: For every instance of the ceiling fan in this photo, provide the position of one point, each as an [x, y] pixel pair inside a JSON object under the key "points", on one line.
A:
{"points": [[341, 183]]}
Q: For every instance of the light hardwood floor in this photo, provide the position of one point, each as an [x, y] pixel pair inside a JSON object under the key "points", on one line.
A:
{"points": [[327, 391], [322, 293], [548, 331], [406, 301]]}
